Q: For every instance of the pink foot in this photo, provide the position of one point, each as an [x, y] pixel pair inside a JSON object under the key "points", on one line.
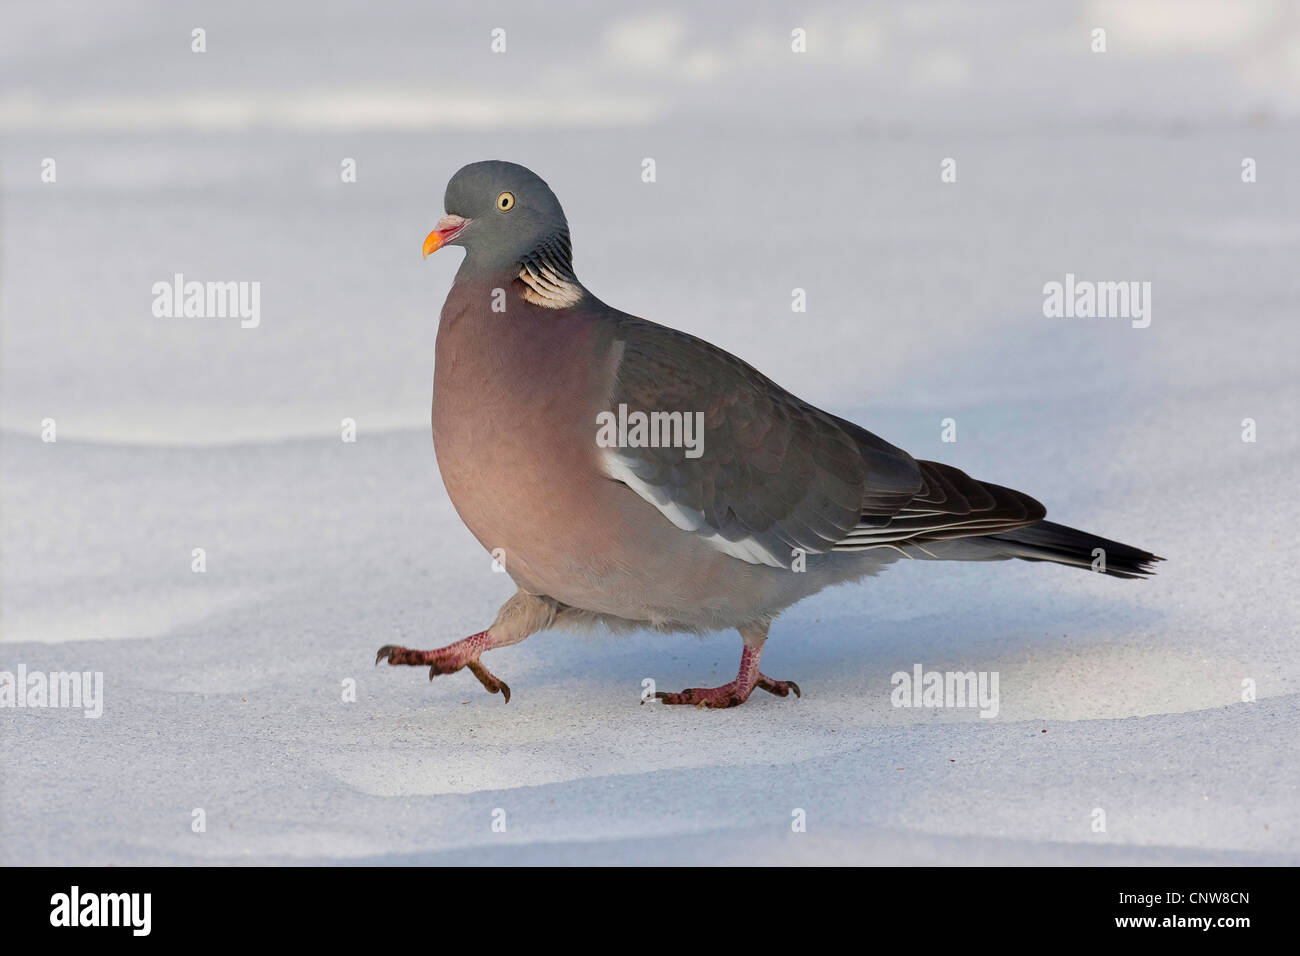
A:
{"points": [[449, 659], [737, 691], [728, 695]]}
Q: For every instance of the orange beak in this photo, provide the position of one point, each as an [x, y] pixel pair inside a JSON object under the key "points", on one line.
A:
{"points": [[448, 228]]}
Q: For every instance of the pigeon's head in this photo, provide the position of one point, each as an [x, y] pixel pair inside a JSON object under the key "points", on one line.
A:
{"points": [[503, 214]]}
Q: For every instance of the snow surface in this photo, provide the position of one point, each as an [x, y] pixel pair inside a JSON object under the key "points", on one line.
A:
{"points": [[224, 690]]}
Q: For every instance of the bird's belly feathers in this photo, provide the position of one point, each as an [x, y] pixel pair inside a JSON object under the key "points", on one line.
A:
{"points": [[514, 429], [514, 411]]}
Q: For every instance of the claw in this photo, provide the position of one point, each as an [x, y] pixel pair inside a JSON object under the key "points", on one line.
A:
{"points": [[493, 684], [781, 688]]}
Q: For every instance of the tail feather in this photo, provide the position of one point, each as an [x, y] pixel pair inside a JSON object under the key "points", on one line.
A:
{"points": [[1049, 541]]}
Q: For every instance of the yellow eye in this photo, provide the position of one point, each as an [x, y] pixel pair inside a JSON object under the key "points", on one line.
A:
{"points": [[506, 201]]}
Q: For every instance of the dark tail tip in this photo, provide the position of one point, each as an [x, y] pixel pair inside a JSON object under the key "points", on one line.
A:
{"points": [[1049, 541]]}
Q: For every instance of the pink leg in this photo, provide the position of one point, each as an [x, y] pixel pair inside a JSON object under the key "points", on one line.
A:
{"points": [[449, 659], [736, 692], [522, 615]]}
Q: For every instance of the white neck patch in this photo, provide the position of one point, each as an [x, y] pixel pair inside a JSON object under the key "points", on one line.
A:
{"points": [[548, 289]]}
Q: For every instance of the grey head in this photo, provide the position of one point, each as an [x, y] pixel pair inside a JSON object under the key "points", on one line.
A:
{"points": [[510, 225]]}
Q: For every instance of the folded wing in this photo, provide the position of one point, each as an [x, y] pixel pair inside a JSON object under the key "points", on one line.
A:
{"points": [[775, 474]]}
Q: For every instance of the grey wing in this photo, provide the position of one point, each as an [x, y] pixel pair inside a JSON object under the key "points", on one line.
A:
{"points": [[773, 473]]}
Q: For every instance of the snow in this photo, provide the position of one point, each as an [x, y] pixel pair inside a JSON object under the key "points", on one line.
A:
{"points": [[225, 690]]}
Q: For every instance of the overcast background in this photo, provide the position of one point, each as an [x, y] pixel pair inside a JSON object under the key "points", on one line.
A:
{"points": [[775, 170]]}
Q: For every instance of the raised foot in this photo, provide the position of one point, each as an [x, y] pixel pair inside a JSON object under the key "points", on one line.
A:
{"points": [[448, 660]]}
